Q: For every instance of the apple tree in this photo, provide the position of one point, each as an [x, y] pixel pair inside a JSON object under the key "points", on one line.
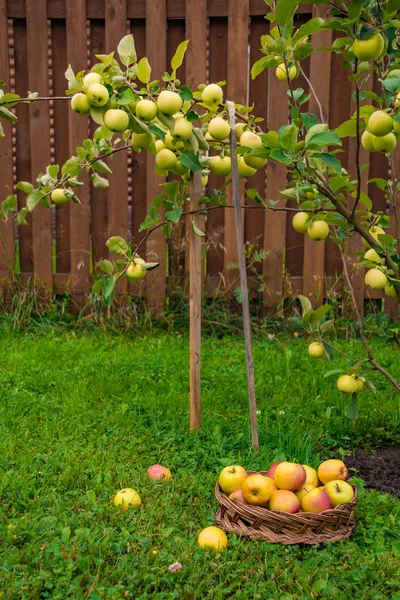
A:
{"points": [[188, 131]]}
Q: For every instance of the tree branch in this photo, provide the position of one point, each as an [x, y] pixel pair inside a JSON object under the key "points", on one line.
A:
{"points": [[321, 112], [364, 340]]}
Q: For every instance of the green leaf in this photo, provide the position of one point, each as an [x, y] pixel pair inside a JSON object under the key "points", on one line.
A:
{"points": [[150, 266], [264, 63], [25, 187], [21, 216], [280, 156], [143, 70], [333, 372], [326, 326], [318, 128], [385, 239], [312, 26], [284, 13], [320, 140], [178, 57], [117, 244], [9, 100], [52, 171], [172, 190], [288, 136], [107, 266], [9, 205], [305, 304], [332, 162], [319, 314], [157, 131], [254, 195], [355, 8], [185, 93], [8, 115], [352, 408], [173, 216], [65, 535], [100, 165], [309, 120], [72, 167], [33, 199], [197, 231], [391, 84], [108, 287], [191, 161], [97, 114], [99, 182], [203, 144], [2, 134], [347, 129], [126, 50]]}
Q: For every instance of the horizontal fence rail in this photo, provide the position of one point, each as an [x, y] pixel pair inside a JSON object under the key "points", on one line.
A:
{"points": [[37, 42]]}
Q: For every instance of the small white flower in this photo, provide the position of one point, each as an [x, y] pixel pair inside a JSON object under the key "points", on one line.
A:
{"points": [[258, 412], [175, 567], [281, 412]]}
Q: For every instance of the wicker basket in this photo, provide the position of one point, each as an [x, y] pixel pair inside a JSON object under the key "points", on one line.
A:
{"points": [[277, 527]]}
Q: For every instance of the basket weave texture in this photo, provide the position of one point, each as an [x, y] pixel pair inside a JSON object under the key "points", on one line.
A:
{"points": [[277, 527]]}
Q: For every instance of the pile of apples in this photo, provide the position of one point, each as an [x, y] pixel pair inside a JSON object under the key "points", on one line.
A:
{"points": [[290, 487]]}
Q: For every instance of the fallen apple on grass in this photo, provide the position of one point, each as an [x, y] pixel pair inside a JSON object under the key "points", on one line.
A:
{"points": [[159, 472], [126, 499], [213, 537]]}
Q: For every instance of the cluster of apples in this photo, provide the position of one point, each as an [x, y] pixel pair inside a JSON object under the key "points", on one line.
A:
{"points": [[316, 229], [128, 498], [170, 103], [349, 384], [375, 277], [290, 487], [381, 128]]}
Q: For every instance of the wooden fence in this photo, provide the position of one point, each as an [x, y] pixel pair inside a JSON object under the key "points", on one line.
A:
{"points": [[38, 39]]}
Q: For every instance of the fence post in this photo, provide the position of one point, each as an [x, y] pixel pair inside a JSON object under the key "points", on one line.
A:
{"points": [[195, 303], [243, 279]]}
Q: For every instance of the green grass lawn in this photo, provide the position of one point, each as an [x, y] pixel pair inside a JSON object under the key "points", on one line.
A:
{"points": [[83, 416]]}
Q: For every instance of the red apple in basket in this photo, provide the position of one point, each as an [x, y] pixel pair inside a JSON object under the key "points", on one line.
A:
{"points": [[272, 469], [285, 501], [237, 496], [316, 501], [257, 489], [290, 476]]}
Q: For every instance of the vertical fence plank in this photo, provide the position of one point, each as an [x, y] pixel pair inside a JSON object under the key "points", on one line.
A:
{"points": [[139, 168], [156, 47], [275, 222], [218, 48], [238, 60], [254, 219], [78, 131], [314, 252], [196, 71], [22, 143], [117, 193], [63, 219], [177, 244], [6, 163], [98, 198], [195, 306], [36, 19]]}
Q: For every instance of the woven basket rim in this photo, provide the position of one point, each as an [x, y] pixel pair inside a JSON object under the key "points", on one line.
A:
{"points": [[277, 526]]}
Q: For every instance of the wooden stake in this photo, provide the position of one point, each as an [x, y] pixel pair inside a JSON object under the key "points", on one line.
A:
{"points": [[243, 279], [195, 303]]}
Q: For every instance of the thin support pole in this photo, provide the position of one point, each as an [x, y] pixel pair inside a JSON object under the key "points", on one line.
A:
{"points": [[243, 279], [195, 303]]}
